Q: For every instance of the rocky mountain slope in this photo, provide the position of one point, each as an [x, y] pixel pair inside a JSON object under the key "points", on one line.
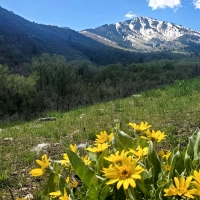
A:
{"points": [[147, 34], [20, 40]]}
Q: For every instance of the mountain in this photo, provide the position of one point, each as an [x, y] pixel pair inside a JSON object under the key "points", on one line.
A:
{"points": [[20, 40], [147, 34]]}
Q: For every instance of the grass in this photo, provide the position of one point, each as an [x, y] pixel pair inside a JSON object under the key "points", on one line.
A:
{"points": [[173, 109]]}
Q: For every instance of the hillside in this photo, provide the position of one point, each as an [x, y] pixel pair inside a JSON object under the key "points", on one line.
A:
{"points": [[20, 40], [172, 109]]}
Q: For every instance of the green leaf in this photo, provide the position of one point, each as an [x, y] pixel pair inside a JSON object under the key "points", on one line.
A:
{"points": [[159, 194], [122, 141], [142, 187], [130, 194], [193, 147], [173, 164], [154, 162], [85, 173], [63, 184], [93, 192], [51, 185], [105, 192], [119, 193], [101, 161]]}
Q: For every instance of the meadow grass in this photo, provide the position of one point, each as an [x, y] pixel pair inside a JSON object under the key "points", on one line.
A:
{"points": [[173, 109]]}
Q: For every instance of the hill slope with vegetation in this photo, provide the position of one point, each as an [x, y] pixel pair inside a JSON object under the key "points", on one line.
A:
{"points": [[52, 83], [173, 109]]}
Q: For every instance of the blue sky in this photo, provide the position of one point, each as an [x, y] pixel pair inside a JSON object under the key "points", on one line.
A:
{"points": [[83, 14]]}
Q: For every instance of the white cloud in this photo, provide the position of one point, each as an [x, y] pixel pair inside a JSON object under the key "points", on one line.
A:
{"points": [[155, 4], [197, 3], [130, 15]]}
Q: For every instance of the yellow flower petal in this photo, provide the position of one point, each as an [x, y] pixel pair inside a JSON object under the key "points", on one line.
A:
{"points": [[55, 194], [37, 172]]}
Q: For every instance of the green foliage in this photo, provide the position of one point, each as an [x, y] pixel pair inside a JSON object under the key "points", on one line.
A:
{"points": [[51, 83], [142, 174]]}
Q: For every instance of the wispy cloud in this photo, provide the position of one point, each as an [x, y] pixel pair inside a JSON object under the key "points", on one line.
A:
{"points": [[130, 15], [197, 3], [156, 4]]}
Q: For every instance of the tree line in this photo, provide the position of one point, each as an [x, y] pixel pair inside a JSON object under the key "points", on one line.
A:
{"points": [[53, 83]]}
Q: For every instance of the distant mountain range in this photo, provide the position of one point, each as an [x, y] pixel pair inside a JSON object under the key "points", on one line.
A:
{"points": [[147, 34], [140, 39]]}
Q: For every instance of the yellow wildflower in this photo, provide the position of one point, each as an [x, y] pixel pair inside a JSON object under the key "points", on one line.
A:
{"points": [[154, 135], [103, 137], [140, 153], [99, 148], [141, 127], [44, 163], [65, 161], [124, 174], [85, 160], [55, 194], [59, 194], [116, 158], [166, 167], [72, 182], [65, 196], [73, 148], [20, 199], [164, 155], [37, 172], [197, 181], [181, 188], [196, 176]]}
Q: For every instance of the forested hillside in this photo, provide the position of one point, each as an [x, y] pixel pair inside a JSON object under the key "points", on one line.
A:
{"points": [[20, 40], [52, 83]]}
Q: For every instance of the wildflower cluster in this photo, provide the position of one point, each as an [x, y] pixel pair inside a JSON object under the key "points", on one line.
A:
{"points": [[122, 166]]}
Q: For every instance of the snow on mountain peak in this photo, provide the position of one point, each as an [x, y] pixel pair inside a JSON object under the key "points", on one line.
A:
{"points": [[147, 34]]}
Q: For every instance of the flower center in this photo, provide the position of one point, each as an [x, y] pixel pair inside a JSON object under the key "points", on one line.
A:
{"points": [[118, 161], [124, 173]]}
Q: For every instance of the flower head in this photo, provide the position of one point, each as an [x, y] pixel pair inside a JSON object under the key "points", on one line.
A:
{"points": [[59, 194], [37, 172], [196, 176], [55, 194], [140, 153], [72, 182], [73, 148], [181, 188], [86, 160], [197, 181], [164, 155], [99, 148], [103, 137], [154, 135], [65, 162], [44, 163], [117, 157], [124, 174], [166, 167], [141, 127]]}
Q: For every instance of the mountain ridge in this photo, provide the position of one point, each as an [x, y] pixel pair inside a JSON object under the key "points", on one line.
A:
{"points": [[21, 40], [148, 34]]}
